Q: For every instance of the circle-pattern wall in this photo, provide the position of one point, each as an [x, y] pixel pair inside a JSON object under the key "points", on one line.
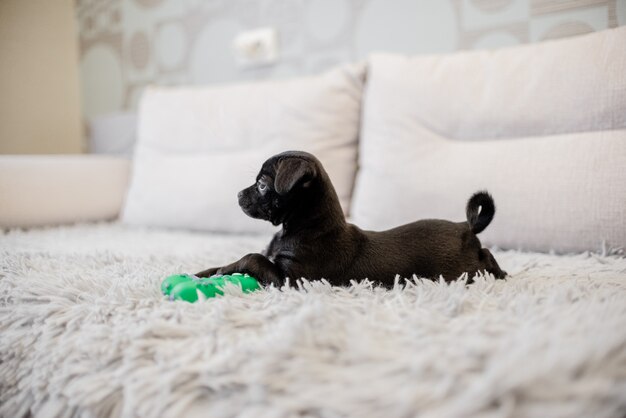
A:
{"points": [[127, 44]]}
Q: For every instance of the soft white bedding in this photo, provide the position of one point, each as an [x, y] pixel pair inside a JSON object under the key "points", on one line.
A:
{"points": [[85, 332]]}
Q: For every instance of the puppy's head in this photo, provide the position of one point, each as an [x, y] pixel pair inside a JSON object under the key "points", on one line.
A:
{"points": [[284, 181]]}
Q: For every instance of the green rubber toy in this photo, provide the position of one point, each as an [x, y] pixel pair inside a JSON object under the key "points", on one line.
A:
{"points": [[191, 288]]}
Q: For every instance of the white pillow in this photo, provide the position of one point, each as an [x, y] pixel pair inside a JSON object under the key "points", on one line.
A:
{"points": [[542, 127], [198, 146]]}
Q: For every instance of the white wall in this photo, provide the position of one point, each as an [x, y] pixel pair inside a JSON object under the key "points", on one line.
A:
{"points": [[127, 44]]}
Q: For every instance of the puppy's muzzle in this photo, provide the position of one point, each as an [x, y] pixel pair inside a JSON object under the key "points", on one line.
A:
{"points": [[241, 198], [246, 204]]}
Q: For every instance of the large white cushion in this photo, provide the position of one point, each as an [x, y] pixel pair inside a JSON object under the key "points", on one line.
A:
{"points": [[197, 147], [542, 127]]}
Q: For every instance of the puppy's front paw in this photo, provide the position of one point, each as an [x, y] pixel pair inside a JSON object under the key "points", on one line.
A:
{"points": [[225, 270], [208, 272]]}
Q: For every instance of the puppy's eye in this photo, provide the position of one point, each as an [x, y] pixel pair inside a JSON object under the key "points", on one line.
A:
{"points": [[261, 186]]}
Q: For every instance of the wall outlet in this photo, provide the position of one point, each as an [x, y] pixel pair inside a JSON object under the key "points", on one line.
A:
{"points": [[256, 48]]}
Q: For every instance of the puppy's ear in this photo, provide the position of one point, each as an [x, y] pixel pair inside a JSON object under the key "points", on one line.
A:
{"points": [[293, 171]]}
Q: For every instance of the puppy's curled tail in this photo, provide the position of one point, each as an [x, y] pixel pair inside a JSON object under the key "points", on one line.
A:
{"points": [[480, 210]]}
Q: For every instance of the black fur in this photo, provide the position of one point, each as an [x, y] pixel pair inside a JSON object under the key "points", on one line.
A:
{"points": [[478, 221], [315, 241]]}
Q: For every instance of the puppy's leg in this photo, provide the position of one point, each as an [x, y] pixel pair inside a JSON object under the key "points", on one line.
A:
{"points": [[491, 265], [208, 272], [254, 264]]}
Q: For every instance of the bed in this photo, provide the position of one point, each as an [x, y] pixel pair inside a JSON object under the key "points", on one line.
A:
{"points": [[87, 240], [86, 332]]}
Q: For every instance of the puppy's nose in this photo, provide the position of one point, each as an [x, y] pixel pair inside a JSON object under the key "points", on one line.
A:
{"points": [[240, 194]]}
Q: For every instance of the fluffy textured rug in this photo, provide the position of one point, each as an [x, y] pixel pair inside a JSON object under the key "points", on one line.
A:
{"points": [[85, 332]]}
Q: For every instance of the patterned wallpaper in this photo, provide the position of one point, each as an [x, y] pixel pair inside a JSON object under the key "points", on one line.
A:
{"points": [[126, 44]]}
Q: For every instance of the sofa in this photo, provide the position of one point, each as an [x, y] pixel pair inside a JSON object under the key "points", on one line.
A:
{"points": [[87, 239]]}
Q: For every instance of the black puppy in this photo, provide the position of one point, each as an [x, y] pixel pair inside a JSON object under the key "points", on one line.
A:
{"points": [[315, 241]]}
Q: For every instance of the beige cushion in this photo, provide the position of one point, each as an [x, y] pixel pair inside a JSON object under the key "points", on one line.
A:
{"points": [[542, 127], [198, 146], [56, 189]]}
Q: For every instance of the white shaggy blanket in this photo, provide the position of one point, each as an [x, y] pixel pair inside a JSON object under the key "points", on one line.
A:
{"points": [[85, 332]]}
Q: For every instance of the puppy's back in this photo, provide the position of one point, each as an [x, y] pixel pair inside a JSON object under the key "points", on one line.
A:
{"points": [[427, 248]]}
